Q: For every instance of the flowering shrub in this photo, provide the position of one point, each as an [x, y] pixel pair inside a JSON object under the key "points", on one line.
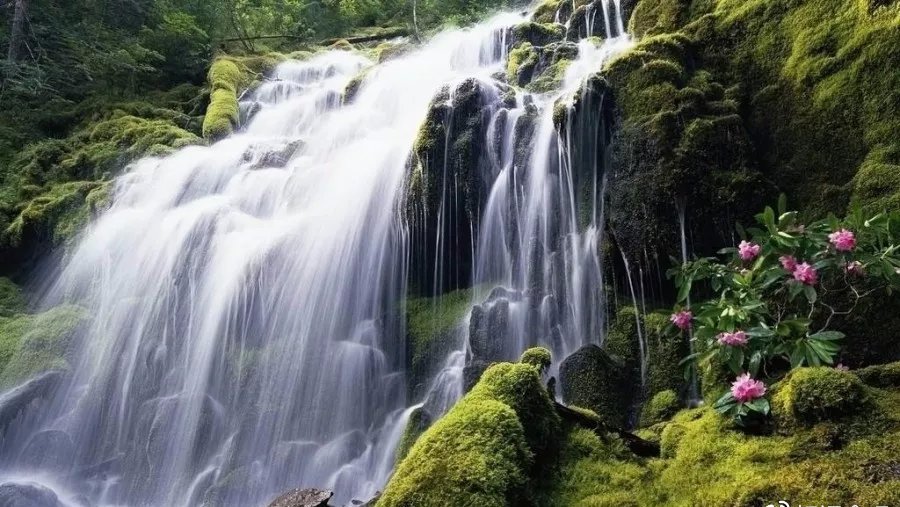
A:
{"points": [[768, 309]]}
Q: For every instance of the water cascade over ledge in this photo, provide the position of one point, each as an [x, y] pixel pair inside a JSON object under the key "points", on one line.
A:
{"points": [[247, 298]]}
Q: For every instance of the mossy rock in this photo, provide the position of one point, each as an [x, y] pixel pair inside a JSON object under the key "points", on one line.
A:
{"points": [[482, 452], [435, 327], [661, 407], [539, 357], [812, 395], [882, 375], [590, 378], [537, 34], [228, 77], [31, 344], [419, 421]]}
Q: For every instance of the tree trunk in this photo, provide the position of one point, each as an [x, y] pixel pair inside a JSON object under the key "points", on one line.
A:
{"points": [[17, 32]]}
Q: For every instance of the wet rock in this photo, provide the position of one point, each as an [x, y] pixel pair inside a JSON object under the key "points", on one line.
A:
{"points": [[49, 449], [15, 400], [27, 494], [591, 379], [472, 373], [273, 158], [488, 328], [303, 498]]}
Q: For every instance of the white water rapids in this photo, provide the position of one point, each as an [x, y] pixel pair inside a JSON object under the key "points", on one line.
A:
{"points": [[247, 332]]}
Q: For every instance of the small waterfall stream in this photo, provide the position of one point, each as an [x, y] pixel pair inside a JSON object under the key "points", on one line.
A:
{"points": [[247, 297]]}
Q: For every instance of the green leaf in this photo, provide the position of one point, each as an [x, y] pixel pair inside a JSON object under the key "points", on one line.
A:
{"points": [[810, 292], [828, 336], [782, 204]]}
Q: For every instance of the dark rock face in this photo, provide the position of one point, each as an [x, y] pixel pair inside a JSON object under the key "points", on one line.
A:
{"points": [[303, 498], [27, 494], [450, 181], [591, 379]]}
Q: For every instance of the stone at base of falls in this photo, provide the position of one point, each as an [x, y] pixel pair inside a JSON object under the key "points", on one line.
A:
{"points": [[303, 498], [15, 400], [27, 494], [591, 379]]}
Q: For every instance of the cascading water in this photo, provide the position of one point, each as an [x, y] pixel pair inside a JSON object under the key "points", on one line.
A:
{"points": [[245, 299]]}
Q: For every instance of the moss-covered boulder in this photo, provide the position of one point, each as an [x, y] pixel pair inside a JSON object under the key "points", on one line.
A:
{"points": [[419, 421], [539, 357], [661, 407], [485, 450], [31, 344], [882, 375], [590, 378], [811, 395]]}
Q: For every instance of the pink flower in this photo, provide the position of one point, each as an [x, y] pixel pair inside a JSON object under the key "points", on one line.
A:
{"points": [[788, 262], [843, 240], [841, 367], [855, 268], [735, 339], [682, 319], [806, 274], [748, 251], [746, 389]]}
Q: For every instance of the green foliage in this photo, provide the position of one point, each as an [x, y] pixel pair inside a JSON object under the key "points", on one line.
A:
{"points": [[661, 407], [767, 293], [481, 452], [30, 344], [538, 357]]}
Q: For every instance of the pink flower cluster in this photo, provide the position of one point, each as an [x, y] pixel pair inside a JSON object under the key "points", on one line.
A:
{"points": [[802, 272], [748, 251], [746, 389], [735, 339], [843, 240], [682, 319], [806, 274]]}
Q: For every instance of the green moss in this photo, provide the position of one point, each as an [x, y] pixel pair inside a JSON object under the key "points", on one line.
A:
{"points": [[590, 378], [551, 77], [538, 357], [652, 17], [546, 11], [434, 327], [419, 421], [811, 395], [63, 209], [706, 462], [661, 407], [11, 299], [520, 64], [482, 452], [537, 34], [228, 76], [882, 375], [30, 344]]}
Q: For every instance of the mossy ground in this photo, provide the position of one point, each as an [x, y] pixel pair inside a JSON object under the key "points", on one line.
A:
{"points": [[706, 461]]}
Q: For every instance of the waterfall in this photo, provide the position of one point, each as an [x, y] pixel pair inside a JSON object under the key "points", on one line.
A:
{"points": [[247, 296]]}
